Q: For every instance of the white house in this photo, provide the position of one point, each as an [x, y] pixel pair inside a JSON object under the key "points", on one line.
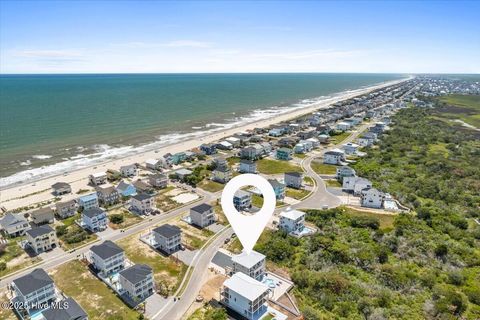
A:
{"points": [[142, 203], [98, 178], [294, 179], [350, 148], [129, 170], [202, 215], [154, 164], [107, 258], [314, 141], [14, 224], [372, 198], [343, 126], [137, 282], [167, 238], [94, 219], [32, 290], [334, 156], [253, 264], [292, 221], [42, 239], [299, 148], [224, 145], [245, 295], [247, 166], [344, 171]]}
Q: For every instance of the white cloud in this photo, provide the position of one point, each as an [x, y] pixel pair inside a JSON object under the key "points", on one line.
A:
{"points": [[49, 54], [328, 53], [187, 43]]}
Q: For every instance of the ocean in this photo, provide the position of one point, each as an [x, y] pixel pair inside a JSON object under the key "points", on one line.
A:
{"points": [[50, 124]]}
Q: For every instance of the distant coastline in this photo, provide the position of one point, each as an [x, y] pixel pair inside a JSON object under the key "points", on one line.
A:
{"points": [[43, 164]]}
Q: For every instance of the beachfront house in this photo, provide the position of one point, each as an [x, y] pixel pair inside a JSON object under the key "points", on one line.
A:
{"points": [[179, 157], [294, 179], [66, 209], [94, 219], [106, 258], [128, 170], [247, 166], [202, 215], [154, 164], [142, 203], [72, 311], [209, 149], [246, 296], [278, 188], [137, 282], [167, 238], [236, 142], [158, 180], [242, 200], [355, 184], [32, 290], [350, 148], [14, 225], [107, 195], [344, 171], [42, 216], [97, 178], [335, 156], [88, 201], [292, 221], [252, 264], [372, 198], [126, 189], [275, 132], [42, 239], [60, 188], [283, 154], [224, 145]]}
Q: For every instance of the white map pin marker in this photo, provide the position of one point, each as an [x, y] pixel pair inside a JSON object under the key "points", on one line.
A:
{"points": [[248, 228]]}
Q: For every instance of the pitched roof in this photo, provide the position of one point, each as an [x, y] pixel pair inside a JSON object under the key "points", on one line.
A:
{"points": [[106, 250], [136, 273], [60, 185], [168, 230], [141, 196], [248, 260], [245, 286], [39, 231], [42, 211], [73, 311], [122, 186], [33, 281], [12, 219], [92, 212], [89, 197], [64, 204], [294, 174], [275, 183], [201, 208]]}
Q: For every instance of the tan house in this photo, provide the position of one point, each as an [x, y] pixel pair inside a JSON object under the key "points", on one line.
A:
{"points": [[42, 239], [42, 216]]}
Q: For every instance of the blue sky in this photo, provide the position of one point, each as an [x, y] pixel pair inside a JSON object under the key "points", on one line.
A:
{"points": [[149, 36]]}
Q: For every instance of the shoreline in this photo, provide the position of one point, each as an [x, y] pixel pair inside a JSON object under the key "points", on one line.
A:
{"points": [[15, 193]]}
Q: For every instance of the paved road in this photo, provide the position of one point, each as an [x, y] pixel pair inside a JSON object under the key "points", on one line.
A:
{"points": [[113, 236]]}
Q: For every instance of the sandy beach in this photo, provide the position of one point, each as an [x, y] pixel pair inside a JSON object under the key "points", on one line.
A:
{"points": [[37, 191]]}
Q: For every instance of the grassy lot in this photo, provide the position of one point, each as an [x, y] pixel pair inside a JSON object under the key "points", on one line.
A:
{"points": [[211, 186], [192, 237], [333, 183], [386, 220], [234, 246], [296, 193], [165, 202], [129, 218], [322, 168], [339, 138], [308, 181], [268, 166], [233, 160], [99, 301], [75, 237], [71, 220], [462, 107], [300, 155], [222, 219], [15, 257], [6, 313], [207, 312], [167, 271], [257, 201]]}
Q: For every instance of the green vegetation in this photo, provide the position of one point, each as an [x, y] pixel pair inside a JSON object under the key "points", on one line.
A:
{"points": [[462, 107], [73, 236], [339, 137], [308, 181], [207, 312], [211, 186], [322, 168], [13, 257], [300, 155], [257, 201], [333, 183], [268, 166], [296, 193], [233, 160], [424, 265], [100, 302], [122, 218]]}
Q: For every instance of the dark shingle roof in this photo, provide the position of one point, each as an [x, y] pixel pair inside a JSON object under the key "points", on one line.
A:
{"points": [[33, 281], [136, 273], [106, 250], [38, 231], [11, 219], [60, 185], [201, 208], [92, 212], [141, 196], [294, 174], [168, 230], [72, 311]]}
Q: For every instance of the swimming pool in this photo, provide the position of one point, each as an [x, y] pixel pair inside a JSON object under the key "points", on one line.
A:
{"points": [[269, 282]]}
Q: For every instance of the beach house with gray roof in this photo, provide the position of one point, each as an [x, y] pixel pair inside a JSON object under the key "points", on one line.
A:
{"points": [[14, 225], [167, 238], [94, 219], [107, 258], [66, 209], [142, 203], [72, 311], [108, 195], [42, 239], [42, 216], [202, 215], [136, 283], [60, 188], [252, 264], [32, 290]]}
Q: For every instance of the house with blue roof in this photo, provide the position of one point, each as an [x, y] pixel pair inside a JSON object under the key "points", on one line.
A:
{"points": [[126, 189], [179, 157], [88, 201]]}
